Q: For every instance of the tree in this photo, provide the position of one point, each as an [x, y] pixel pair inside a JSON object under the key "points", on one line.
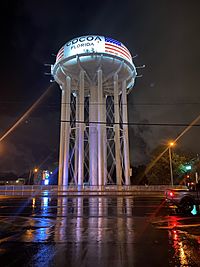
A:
{"points": [[159, 173], [138, 177]]}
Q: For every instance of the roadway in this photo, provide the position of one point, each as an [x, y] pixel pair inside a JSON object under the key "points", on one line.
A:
{"points": [[111, 230]]}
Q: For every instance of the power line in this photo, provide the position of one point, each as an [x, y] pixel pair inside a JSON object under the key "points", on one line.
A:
{"points": [[129, 104], [135, 123]]}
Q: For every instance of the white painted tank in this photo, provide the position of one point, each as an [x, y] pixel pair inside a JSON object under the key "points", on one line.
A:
{"points": [[90, 53]]}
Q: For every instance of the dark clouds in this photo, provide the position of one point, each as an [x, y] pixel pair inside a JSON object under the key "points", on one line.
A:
{"points": [[165, 35]]}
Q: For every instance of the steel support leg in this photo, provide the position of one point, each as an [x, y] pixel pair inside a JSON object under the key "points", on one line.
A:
{"points": [[76, 142], [125, 134], [104, 140], [100, 131], [81, 131], [67, 131], [117, 131], [93, 136], [62, 136]]}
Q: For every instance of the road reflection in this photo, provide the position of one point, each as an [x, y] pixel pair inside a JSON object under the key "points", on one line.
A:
{"points": [[92, 228], [38, 228], [99, 231], [184, 247]]}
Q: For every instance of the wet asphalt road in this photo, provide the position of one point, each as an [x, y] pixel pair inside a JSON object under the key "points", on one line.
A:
{"points": [[96, 231]]}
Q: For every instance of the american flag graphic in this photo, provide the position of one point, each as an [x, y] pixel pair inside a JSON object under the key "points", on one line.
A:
{"points": [[115, 47], [60, 54]]}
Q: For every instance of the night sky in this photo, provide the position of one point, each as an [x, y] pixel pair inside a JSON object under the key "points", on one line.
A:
{"points": [[164, 35]]}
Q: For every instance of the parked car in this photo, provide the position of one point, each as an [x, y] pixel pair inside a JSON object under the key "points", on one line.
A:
{"points": [[184, 199]]}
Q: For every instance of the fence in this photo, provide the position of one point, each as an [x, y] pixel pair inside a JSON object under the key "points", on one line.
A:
{"points": [[60, 190]]}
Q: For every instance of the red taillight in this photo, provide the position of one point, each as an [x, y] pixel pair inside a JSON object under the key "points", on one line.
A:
{"points": [[171, 194]]}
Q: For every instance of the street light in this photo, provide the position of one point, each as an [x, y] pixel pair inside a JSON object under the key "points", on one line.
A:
{"points": [[171, 144], [34, 173]]}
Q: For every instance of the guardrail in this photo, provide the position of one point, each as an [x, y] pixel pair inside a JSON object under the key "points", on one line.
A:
{"points": [[70, 188]]}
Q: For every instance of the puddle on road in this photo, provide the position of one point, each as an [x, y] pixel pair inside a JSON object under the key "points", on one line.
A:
{"points": [[184, 248], [183, 237]]}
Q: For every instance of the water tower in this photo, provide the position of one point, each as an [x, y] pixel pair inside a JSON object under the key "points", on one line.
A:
{"points": [[95, 74]]}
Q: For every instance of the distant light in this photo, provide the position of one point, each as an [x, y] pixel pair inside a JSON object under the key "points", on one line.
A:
{"points": [[33, 203], [188, 167], [17, 181], [44, 201], [45, 174], [35, 170], [171, 144], [46, 181], [194, 210]]}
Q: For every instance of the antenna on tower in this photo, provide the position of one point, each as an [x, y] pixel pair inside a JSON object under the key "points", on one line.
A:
{"points": [[49, 73], [47, 64], [141, 67]]}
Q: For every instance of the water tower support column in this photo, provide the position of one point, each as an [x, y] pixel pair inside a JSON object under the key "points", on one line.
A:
{"points": [[117, 131], [105, 140], [67, 130], [125, 134], [62, 136], [81, 131], [100, 130], [76, 143]]}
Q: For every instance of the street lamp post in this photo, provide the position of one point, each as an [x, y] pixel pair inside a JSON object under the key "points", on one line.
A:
{"points": [[35, 176], [171, 144], [34, 173]]}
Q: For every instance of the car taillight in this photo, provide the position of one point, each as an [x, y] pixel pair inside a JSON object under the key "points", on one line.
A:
{"points": [[171, 194]]}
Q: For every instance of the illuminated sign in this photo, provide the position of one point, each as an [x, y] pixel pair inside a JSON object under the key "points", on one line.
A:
{"points": [[45, 175], [188, 167], [93, 44]]}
